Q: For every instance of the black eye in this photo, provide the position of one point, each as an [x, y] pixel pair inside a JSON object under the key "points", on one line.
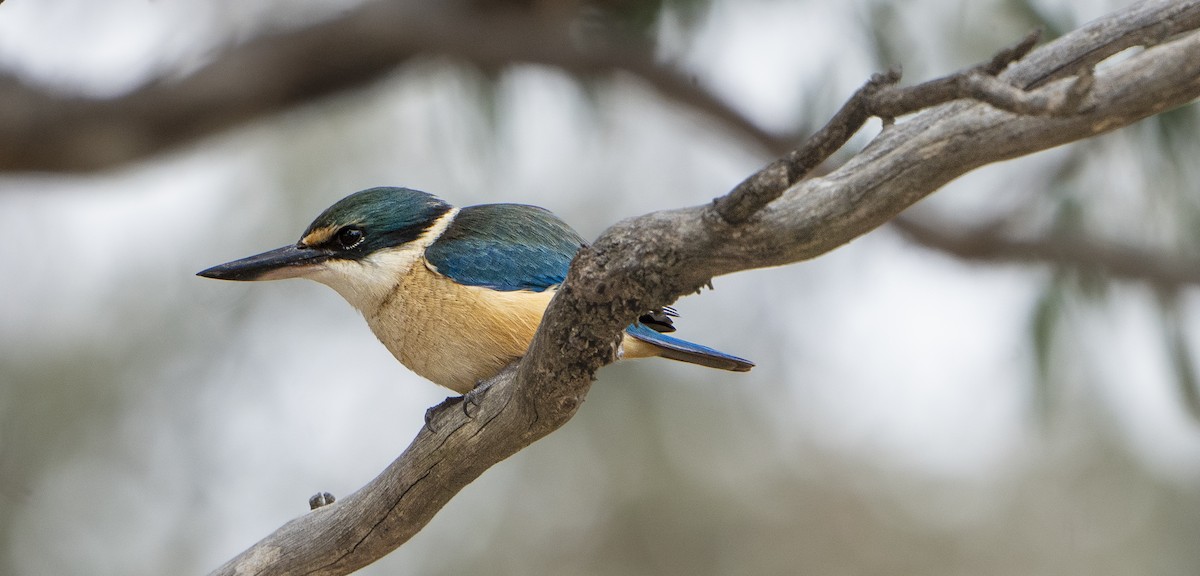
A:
{"points": [[349, 237]]}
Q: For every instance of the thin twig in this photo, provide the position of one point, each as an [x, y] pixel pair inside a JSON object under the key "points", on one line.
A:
{"points": [[900, 101], [878, 97], [769, 183]]}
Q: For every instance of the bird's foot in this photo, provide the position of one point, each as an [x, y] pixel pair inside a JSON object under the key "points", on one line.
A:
{"points": [[474, 397], [470, 404], [320, 499]]}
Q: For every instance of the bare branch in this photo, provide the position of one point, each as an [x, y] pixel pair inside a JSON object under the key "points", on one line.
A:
{"points": [[1143, 24], [879, 97], [767, 184], [1005, 96], [45, 131], [899, 102], [991, 245], [646, 262], [981, 83]]}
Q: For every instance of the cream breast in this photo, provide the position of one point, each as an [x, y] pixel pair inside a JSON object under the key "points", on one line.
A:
{"points": [[452, 334]]}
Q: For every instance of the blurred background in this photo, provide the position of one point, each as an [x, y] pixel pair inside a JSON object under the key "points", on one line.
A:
{"points": [[1003, 383]]}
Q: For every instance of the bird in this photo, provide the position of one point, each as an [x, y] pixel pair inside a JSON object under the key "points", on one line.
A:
{"points": [[455, 294]]}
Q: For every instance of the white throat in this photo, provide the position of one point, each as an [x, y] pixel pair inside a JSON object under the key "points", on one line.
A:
{"points": [[367, 282]]}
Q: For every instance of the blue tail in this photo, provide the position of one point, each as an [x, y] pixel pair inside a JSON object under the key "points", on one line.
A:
{"points": [[685, 351]]}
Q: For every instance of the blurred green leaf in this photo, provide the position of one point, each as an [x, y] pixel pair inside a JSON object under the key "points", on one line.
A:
{"points": [[1179, 352], [880, 21], [641, 16], [1044, 325]]}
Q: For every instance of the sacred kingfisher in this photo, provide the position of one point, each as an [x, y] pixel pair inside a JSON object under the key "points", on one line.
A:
{"points": [[455, 294]]}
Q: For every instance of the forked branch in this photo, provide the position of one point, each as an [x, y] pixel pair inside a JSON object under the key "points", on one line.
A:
{"points": [[776, 219]]}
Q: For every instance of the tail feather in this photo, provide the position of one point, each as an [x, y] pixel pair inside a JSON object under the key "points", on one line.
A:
{"points": [[684, 351]]}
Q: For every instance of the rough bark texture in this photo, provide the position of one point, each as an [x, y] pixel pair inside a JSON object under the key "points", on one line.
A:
{"points": [[651, 260]]}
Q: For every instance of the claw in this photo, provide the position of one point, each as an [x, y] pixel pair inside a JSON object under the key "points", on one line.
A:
{"points": [[474, 397], [470, 404]]}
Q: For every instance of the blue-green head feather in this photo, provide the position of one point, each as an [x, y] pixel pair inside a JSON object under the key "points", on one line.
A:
{"points": [[371, 219]]}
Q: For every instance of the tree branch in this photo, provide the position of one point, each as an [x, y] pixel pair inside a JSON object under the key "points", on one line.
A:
{"points": [[649, 261], [991, 245], [880, 97], [46, 131]]}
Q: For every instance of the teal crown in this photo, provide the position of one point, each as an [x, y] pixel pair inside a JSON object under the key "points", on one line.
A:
{"points": [[375, 218]]}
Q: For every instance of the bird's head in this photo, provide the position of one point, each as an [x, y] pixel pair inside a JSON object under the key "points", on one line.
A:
{"points": [[359, 246]]}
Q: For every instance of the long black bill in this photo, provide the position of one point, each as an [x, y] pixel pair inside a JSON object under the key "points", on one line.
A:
{"points": [[287, 262]]}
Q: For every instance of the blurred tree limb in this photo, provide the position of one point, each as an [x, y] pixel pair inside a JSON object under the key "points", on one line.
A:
{"points": [[41, 130], [991, 244], [775, 217]]}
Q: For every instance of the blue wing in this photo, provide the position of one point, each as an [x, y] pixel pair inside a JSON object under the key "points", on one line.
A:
{"points": [[505, 247]]}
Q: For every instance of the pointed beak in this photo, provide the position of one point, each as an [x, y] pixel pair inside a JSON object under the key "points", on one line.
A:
{"points": [[287, 262]]}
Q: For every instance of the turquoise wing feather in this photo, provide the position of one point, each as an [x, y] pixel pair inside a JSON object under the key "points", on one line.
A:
{"points": [[505, 247]]}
